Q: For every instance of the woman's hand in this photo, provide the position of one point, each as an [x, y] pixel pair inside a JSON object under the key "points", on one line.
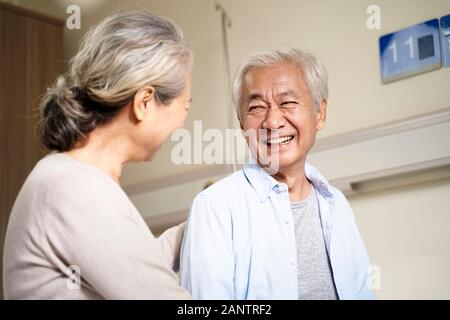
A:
{"points": [[170, 242]]}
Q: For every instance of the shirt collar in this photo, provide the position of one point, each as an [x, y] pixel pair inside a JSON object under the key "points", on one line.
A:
{"points": [[264, 184]]}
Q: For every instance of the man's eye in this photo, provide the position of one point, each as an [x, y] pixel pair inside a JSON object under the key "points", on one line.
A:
{"points": [[289, 104], [255, 109]]}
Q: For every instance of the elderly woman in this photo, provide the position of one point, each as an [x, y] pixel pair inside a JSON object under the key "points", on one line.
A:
{"points": [[73, 232]]}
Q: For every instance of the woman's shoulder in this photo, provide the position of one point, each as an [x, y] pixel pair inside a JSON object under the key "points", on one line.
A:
{"points": [[61, 188], [58, 168], [58, 176]]}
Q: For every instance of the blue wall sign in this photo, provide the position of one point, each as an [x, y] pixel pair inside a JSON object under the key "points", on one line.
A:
{"points": [[410, 51], [445, 31]]}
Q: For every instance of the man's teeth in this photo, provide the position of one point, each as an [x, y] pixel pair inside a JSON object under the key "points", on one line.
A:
{"points": [[281, 140]]}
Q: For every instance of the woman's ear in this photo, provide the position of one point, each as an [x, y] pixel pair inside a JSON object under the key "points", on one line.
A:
{"points": [[143, 101], [321, 115]]}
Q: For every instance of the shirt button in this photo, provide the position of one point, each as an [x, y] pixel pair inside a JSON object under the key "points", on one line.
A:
{"points": [[292, 263], [286, 221]]}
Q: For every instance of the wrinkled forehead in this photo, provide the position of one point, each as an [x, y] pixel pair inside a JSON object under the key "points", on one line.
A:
{"points": [[283, 80]]}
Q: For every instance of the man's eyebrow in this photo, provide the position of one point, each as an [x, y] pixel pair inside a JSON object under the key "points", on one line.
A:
{"points": [[254, 96], [287, 93]]}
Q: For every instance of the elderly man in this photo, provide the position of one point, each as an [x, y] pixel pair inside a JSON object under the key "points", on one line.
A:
{"points": [[276, 229]]}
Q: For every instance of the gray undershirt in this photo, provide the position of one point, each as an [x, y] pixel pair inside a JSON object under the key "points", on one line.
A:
{"points": [[315, 279]]}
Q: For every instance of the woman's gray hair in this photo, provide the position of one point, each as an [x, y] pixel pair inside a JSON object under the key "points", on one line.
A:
{"points": [[315, 74], [119, 56]]}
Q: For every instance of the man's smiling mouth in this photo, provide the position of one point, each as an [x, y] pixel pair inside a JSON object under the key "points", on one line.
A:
{"points": [[279, 140]]}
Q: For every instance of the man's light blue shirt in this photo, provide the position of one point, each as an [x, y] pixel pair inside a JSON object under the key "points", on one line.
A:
{"points": [[240, 242]]}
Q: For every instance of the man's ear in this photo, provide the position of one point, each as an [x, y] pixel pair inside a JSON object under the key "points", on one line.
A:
{"points": [[239, 117], [240, 122], [143, 101], [321, 115]]}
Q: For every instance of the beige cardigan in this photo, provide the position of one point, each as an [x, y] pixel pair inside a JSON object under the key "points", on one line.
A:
{"points": [[73, 222]]}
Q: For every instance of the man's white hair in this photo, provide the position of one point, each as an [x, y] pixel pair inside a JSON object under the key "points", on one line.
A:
{"points": [[314, 72]]}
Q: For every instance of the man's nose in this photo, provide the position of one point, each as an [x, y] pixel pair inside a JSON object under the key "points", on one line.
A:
{"points": [[274, 119]]}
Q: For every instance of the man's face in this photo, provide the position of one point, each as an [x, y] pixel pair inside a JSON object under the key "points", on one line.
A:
{"points": [[277, 104]]}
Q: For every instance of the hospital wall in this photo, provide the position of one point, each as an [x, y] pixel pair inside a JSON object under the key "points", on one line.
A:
{"points": [[405, 227]]}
